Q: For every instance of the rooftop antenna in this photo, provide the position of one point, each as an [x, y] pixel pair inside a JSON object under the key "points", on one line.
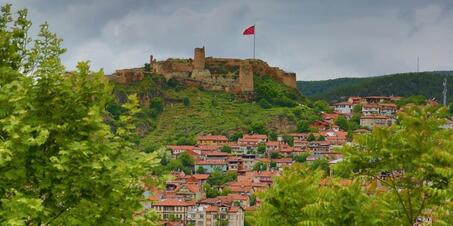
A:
{"points": [[444, 92], [418, 64]]}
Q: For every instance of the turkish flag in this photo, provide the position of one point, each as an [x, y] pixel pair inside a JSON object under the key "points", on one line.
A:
{"points": [[249, 31]]}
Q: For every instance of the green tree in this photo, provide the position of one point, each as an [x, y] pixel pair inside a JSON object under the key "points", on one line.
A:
{"points": [[342, 122], [236, 136], [258, 128], [303, 126], [201, 170], [298, 198], [288, 139], [311, 137], [226, 149], [186, 101], [260, 166], [273, 136], [60, 163], [217, 177], [413, 160], [301, 158], [261, 149]]}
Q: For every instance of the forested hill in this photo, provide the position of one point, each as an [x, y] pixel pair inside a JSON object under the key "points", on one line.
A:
{"points": [[428, 84]]}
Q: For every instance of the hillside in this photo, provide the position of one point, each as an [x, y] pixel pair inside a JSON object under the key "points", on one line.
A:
{"points": [[172, 112], [428, 84]]}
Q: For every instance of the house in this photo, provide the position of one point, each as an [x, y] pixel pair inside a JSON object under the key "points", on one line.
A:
{"points": [[371, 121], [212, 140], [388, 109], [210, 165], [343, 107], [273, 146], [177, 149], [371, 109], [247, 162], [190, 191], [247, 145], [329, 117], [233, 163], [173, 208], [282, 162], [377, 99], [213, 155], [299, 136], [320, 125], [355, 100], [262, 138], [212, 215]]}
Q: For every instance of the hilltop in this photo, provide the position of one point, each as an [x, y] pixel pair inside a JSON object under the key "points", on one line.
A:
{"points": [[174, 112], [428, 84]]}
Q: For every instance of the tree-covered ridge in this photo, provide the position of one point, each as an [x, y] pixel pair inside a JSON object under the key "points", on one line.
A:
{"points": [[428, 84]]}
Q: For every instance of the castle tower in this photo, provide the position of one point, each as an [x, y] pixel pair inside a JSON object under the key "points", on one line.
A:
{"points": [[246, 77], [199, 59]]}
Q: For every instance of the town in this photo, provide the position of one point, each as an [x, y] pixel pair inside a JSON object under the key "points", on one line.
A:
{"points": [[220, 182]]}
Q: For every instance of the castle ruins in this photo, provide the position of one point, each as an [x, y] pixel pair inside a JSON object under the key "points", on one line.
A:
{"points": [[218, 74]]}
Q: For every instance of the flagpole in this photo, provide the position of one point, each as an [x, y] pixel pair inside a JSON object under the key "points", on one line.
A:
{"points": [[254, 33]]}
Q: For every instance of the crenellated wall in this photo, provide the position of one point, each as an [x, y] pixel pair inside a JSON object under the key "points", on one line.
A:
{"points": [[227, 74]]}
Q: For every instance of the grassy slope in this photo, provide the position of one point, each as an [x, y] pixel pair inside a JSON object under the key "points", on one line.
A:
{"points": [[208, 112], [428, 84]]}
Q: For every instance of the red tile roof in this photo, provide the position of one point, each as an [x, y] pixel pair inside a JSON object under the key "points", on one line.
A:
{"points": [[254, 136], [210, 162], [213, 138], [173, 202]]}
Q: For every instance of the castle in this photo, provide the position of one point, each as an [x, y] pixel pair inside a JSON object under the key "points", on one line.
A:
{"points": [[218, 74]]}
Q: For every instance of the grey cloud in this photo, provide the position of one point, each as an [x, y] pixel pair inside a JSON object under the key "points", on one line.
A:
{"points": [[315, 39]]}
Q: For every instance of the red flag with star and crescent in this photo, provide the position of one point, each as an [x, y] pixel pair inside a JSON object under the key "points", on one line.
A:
{"points": [[249, 31]]}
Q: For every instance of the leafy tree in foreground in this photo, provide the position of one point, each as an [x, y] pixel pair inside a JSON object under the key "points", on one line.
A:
{"points": [[301, 197], [60, 164], [398, 174], [413, 160]]}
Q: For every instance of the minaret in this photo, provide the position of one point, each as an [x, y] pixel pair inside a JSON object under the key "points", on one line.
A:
{"points": [[445, 91]]}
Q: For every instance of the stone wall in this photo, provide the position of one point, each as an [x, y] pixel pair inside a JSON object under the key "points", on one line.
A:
{"points": [[227, 74], [126, 76]]}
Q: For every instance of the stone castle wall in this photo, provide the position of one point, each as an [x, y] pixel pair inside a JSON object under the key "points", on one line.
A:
{"points": [[222, 74]]}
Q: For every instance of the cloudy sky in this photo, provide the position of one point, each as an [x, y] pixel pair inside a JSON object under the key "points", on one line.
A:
{"points": [[317, 39]]}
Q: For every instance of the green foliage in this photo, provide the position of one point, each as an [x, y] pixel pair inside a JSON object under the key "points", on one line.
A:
{"points": [[321, 164], [257, 128], [426, 84], [60, 164], [186, 101], [273, 136], [301, 158], [261, 149], [297, 198], [288, 139], [260, 166], [418, 100], [419, 152], [275, 155], [269, 92], [217, 177], [201, 170], [184, 162], [322, 106], [303, 127], [236, 136], [311, 137], [226, 149], [186, 141]]}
